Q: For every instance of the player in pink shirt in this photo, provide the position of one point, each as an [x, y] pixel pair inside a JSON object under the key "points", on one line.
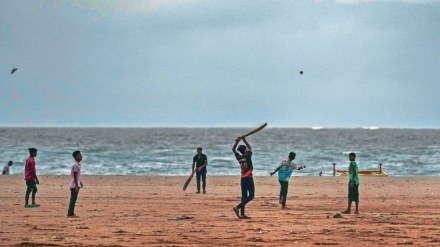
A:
{"points": [[75, 182], [30, 175]]}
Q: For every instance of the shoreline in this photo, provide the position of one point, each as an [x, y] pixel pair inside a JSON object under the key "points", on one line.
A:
{"points": [[184, 177], [121, 210]]}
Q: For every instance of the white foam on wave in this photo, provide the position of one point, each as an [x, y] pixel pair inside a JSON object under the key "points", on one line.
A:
{"points": [[372, 128], [169, 152]]}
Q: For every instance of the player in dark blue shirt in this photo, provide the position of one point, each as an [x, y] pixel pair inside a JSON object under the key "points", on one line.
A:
{"points": [[200, 161], [243, 154]]}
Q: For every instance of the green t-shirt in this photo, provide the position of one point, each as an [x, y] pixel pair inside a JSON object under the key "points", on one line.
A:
{"points": [[354, 172]]}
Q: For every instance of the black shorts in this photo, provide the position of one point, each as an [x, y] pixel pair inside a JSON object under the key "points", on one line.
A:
{"points": [[31, 185]]}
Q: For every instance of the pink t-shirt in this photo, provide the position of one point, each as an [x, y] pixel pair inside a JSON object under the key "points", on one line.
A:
{"points": [[76, 167]]}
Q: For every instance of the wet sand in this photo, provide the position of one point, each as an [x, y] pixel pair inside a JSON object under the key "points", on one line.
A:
{"points": [[139, 211]]}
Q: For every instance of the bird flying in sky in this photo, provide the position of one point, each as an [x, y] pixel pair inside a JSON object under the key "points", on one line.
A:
{"points": [[13, 70]]}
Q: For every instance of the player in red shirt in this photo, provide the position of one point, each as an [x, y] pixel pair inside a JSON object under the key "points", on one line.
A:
{"points": [[30, 175]]}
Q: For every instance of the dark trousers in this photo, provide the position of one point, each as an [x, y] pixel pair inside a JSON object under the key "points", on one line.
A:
{"points": [[283, 192], [353, 193], [73, 198], [247, 193], [31, 187], [201, 176]]}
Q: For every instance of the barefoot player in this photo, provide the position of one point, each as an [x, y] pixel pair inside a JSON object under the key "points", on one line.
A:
{"points": [[75, 182], [200, 161], [244, 157], [30, 175], [284, 172], [353, 184]]}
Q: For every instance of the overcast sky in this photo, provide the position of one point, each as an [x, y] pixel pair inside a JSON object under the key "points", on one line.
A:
{"points": [[220, 63]]}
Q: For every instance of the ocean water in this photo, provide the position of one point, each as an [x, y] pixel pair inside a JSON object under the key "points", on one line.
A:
{"points": [[169, 151]]}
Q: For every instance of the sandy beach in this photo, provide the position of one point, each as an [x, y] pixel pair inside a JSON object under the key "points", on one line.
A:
{"points": [[142, 211]]}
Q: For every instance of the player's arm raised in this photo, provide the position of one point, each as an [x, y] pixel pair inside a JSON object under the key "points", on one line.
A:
{"points": [[234, 148], [246, 143]]}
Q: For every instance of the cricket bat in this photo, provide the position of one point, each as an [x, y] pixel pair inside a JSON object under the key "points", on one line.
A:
{"points": [[188, 181], [255, 130]]}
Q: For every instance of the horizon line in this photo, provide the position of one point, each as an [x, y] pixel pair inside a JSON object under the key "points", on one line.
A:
{"points": [[213, 126]]}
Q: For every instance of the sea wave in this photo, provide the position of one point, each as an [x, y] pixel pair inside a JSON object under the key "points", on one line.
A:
{"points": [[157, 151]]}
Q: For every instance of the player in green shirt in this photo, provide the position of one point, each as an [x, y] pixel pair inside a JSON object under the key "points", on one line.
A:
{"points": [[353, 184]]}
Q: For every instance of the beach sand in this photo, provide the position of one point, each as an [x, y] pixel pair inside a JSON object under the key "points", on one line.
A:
{"points": [[138, 211]]}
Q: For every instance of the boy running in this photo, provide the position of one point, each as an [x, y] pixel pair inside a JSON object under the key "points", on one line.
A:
{"points": [[74, 182], [30, 175], [200, 161], [244, 157], [353, 184], [284, 172]]}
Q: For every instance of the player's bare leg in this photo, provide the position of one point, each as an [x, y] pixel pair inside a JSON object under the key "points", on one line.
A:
{"points": [[357, 208], [348, 211]]}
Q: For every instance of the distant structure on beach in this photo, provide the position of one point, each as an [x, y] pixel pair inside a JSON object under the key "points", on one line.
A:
{"points": [[379, 172]]}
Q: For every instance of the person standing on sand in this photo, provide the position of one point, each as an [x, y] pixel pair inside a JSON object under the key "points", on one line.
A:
{"points": [[6, 169], [200, 161], [284, 172], [244, 157], [30, 175], [74, 182], [353, 184]]}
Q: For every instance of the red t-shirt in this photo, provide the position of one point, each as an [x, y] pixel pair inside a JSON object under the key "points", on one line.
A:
{"points": [[29, 169]]}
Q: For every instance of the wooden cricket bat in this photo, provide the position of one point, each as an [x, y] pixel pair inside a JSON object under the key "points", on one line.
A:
{"points": [[188, 181], [255, 130]]}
